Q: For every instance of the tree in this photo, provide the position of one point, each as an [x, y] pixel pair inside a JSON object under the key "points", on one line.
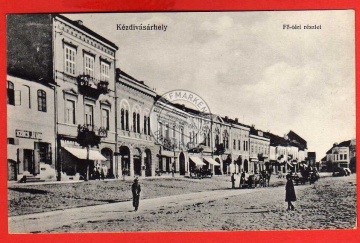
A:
{"points": [[87, 138]]}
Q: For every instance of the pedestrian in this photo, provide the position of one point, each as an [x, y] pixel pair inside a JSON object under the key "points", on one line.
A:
{"points": [[233, 180], [242, 179], [290, 195], [136, 189]]}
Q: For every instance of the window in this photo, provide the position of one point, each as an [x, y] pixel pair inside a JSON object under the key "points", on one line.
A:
{"points": [[134, 121], [89, 65], [28, 94], [208, 139], [127, 120], [41, 100], [148, 125], [138, 122], [105, 121], [70, 112], [341, 156], [345, 156], [234, 144], [70, 54], [89, 115], [104, 71], [122, 119], [145, 125], [239, 145], [10, 93]]}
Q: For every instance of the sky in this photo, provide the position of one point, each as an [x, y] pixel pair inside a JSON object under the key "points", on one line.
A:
{"points": [[245, 65]]}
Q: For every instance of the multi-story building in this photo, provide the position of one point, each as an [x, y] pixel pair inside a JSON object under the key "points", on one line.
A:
{"points": [[137, 148], [55, 49], [239, 145], [259, 150], [30, 101], [30, 127], [341, 154]]}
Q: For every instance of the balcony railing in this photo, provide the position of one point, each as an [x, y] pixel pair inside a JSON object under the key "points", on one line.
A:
{"points": [[88, 86]]}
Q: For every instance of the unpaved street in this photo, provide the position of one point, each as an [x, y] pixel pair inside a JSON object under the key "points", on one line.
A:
{"points": [[329, 204]]}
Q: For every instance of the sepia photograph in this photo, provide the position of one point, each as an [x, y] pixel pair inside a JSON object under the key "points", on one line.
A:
{"points": [[181, 121]]}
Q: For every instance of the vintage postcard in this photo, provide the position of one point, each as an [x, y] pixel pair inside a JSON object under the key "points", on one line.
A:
{"points": [[181, 121]]}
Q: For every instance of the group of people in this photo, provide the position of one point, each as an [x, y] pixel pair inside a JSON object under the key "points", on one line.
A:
{"points": [[290, 195], [100, 172]]}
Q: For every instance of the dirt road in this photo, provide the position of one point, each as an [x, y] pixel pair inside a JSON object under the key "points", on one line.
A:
{"points": [[329, 204]]}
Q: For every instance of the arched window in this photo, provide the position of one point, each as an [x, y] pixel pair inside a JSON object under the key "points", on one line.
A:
{"points": [[148, 125], [41, 100], [205, 138], [145, 125], [10, 93], [208, 139], [138, 122], [122, 119], [127, 120], [134, 121]]}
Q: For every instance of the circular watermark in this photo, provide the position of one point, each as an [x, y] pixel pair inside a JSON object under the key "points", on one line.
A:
{"points": [[180, 119]]}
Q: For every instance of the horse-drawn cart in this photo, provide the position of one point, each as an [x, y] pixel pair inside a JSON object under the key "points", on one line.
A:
{"points": [[251, 180]]}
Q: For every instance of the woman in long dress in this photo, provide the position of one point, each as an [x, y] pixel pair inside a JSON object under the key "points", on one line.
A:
{"points": [[290, 195]]}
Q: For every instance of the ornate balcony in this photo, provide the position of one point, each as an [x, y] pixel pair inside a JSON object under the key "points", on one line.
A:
{"points": [[90, 135], [88, 86]]}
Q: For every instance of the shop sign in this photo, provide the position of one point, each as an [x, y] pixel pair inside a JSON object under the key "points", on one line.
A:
{"points": [[28, 134]]}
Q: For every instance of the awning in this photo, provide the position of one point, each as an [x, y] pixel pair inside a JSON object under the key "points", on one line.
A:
{"points": [[254, 160], [290, 164], [211, 161], [81, 153], [197, 160]]}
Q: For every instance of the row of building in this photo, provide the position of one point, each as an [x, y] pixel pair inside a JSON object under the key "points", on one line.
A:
{"points": [[63, 77]]}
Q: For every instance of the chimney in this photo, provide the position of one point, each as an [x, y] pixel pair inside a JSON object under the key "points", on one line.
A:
{"points": [[80, 22], [236, 120]]}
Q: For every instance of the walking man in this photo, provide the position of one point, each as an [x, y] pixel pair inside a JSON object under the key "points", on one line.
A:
{"points": [[136, 189]]}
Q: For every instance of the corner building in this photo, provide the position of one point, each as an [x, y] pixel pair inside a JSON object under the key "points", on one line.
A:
{"points": [[80, 64]]}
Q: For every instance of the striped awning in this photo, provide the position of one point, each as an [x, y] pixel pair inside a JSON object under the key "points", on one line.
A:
{"points": [[211, 161], [81, 153], [197, 160]]}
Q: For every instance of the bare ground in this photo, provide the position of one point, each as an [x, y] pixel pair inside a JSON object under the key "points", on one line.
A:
{"points": [[329, 204]]}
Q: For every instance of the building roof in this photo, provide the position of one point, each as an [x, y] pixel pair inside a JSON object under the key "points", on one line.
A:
{"points": [[344, 144], [84, 28], [293, 136], [275, 140]]}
